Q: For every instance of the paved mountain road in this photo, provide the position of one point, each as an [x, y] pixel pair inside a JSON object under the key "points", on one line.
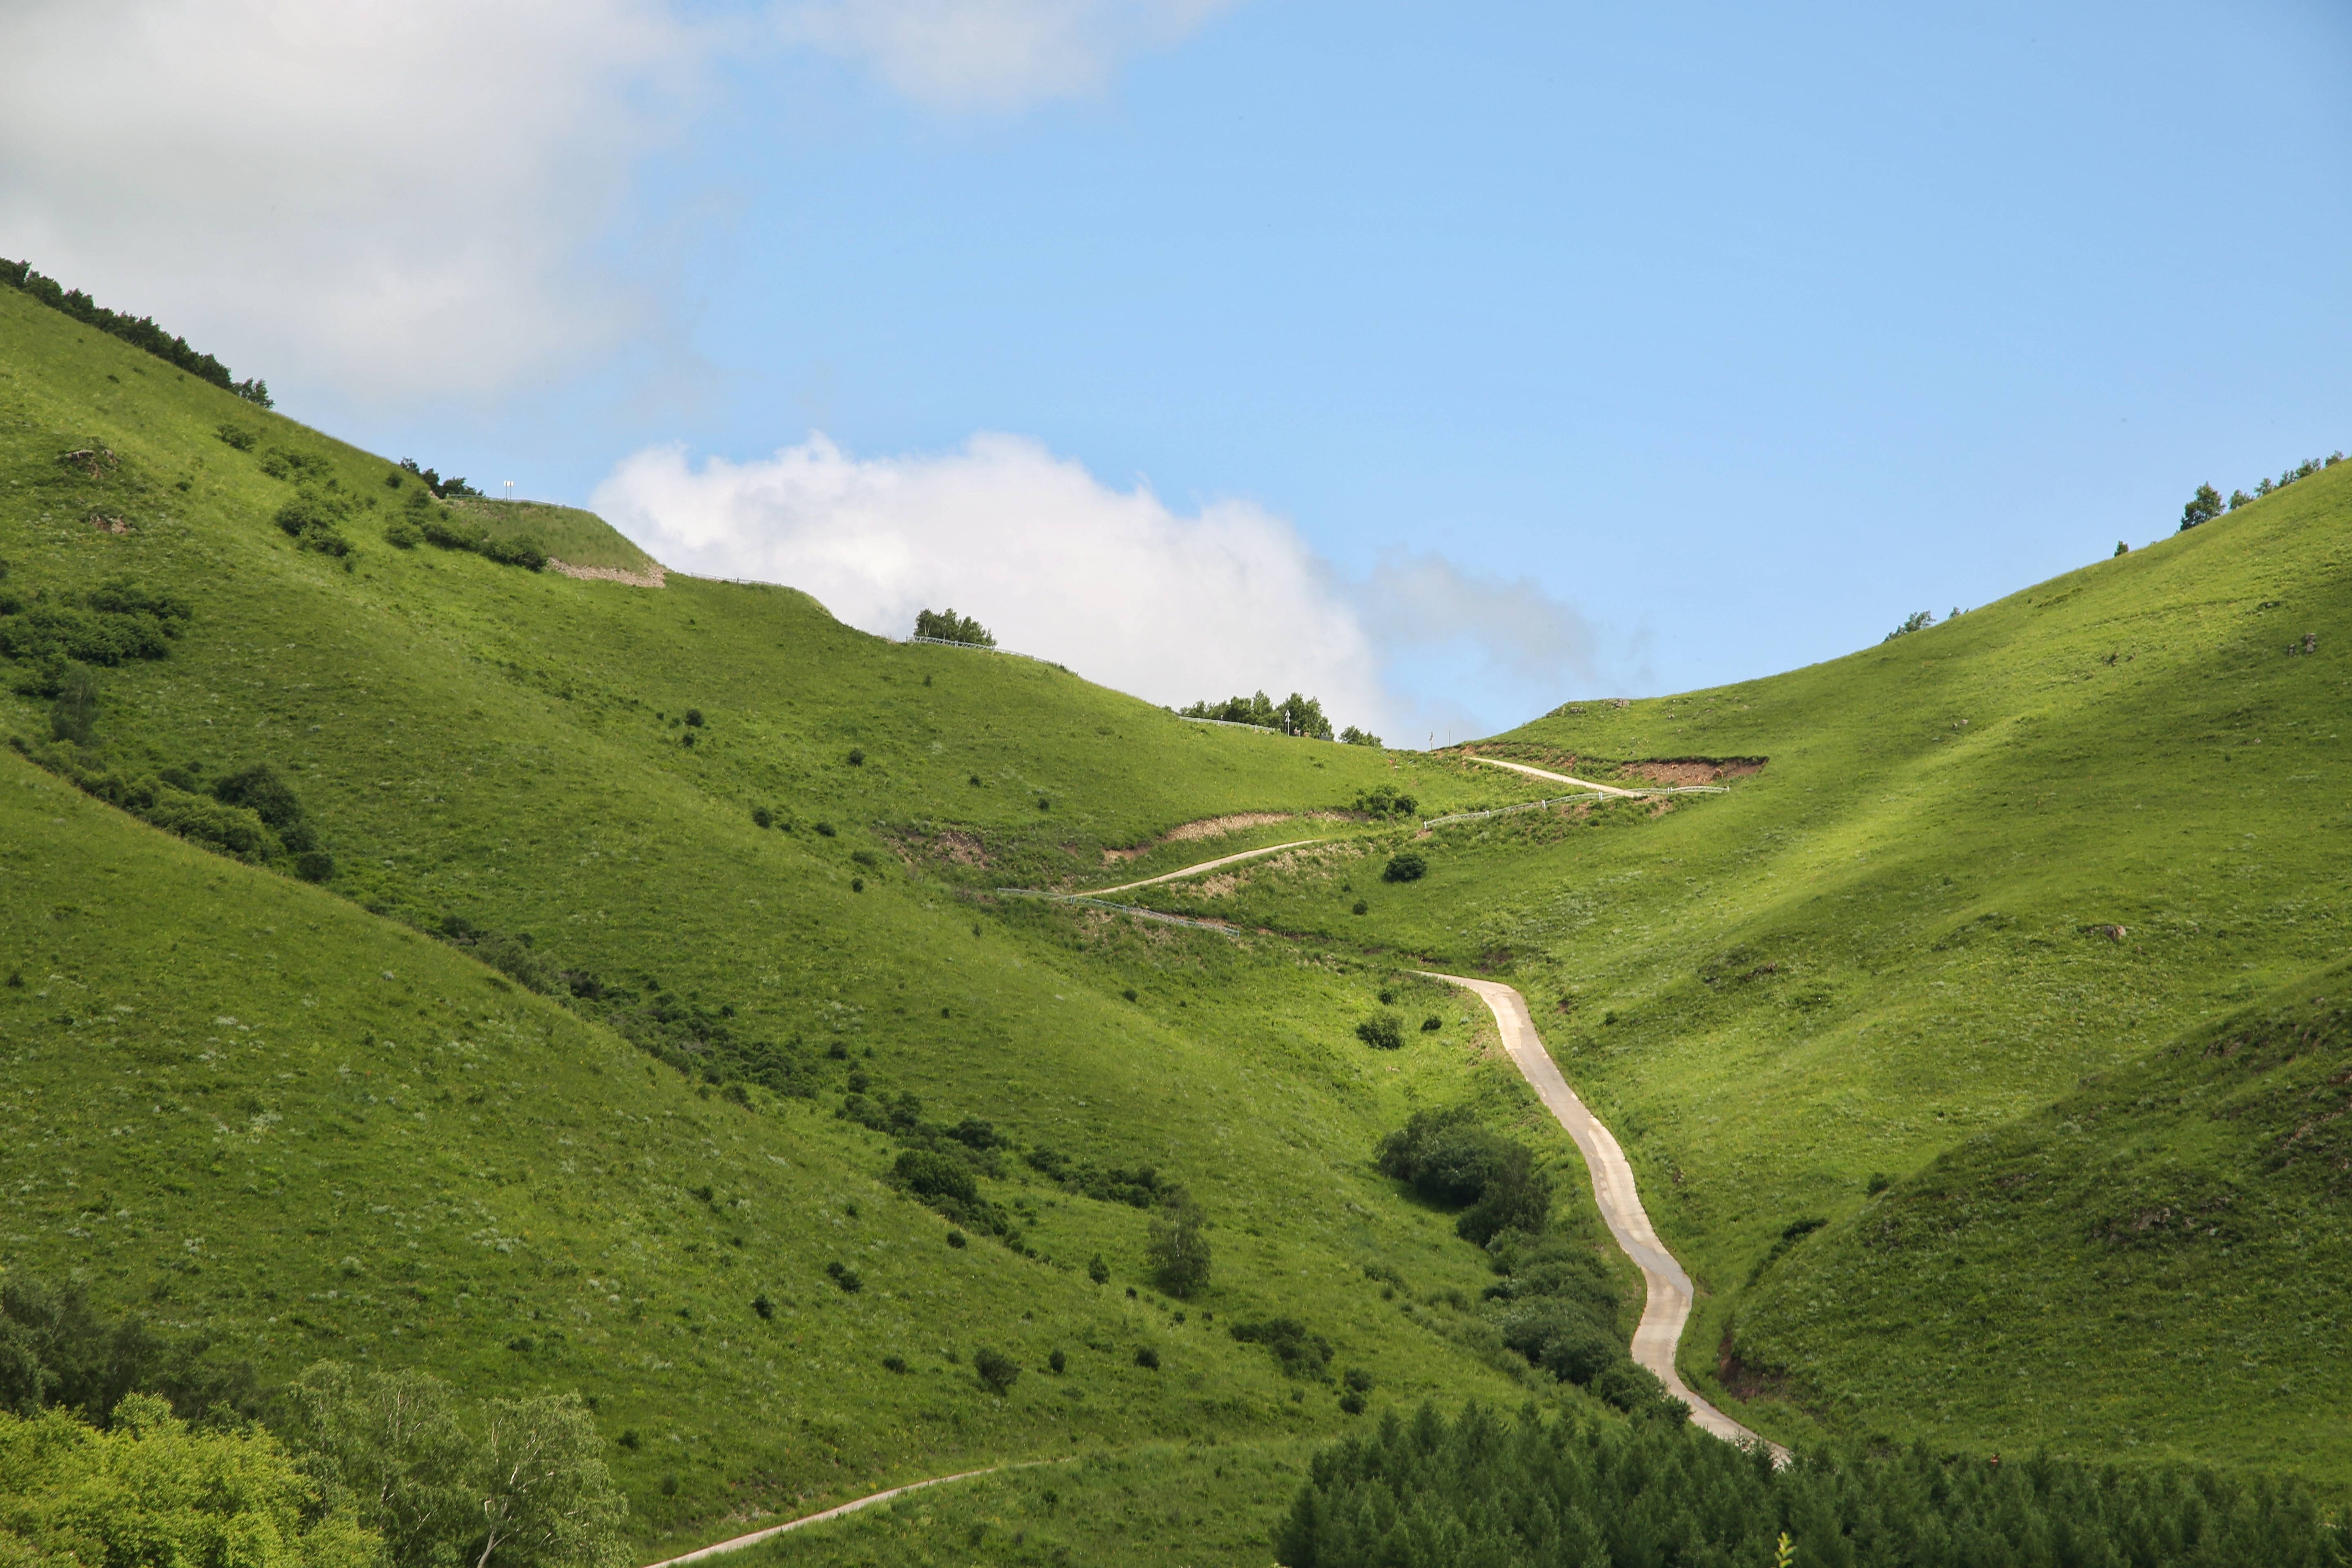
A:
{"points": [[1668, 1306]]}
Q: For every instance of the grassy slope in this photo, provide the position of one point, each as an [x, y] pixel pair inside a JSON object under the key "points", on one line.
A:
{"points": [[574, 537], [2154, 1266], [481, 741], [1885, 943]]}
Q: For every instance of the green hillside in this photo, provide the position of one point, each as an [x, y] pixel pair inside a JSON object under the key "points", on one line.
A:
{"points": [[572, 537], [1982, 861], [397, 1153], [592, 959]]}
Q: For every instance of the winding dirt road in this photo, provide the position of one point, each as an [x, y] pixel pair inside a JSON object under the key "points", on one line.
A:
{"points": [[1668, 1306], [1563, 778], [1203, 865]]}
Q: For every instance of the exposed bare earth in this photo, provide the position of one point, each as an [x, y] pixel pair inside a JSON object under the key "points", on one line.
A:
{"points": [[650, 578]]}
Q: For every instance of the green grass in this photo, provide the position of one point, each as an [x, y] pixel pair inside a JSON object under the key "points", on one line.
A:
{"points": [[1891, 942], [510, 747], [568, 534], [1886, 953]]}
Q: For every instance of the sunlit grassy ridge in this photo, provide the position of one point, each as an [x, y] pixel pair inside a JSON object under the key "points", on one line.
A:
{"points": [[394, 1153], [1983, 861]]}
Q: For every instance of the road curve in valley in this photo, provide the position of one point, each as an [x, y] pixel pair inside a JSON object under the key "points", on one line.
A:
{"points": [[1563, 778], [1668, 1307]]}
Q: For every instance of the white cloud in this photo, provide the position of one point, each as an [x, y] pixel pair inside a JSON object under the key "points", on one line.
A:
{"points": [[1515, 627], [390, 195], [1112, 583], [992, 54]]}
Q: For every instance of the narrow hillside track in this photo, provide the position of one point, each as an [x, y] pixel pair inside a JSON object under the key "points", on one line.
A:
{"points": [[740, 1542], [1196, 870], [1670, 1291], [1563, 778]]}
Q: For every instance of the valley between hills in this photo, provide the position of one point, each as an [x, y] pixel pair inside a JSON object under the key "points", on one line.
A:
{"points": [[420, 958]]}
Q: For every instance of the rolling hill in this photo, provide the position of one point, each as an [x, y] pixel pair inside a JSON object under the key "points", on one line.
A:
{"points": [[578, 964]]}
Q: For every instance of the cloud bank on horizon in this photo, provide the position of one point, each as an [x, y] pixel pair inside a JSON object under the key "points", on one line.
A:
{"points": [[1115, 584]]}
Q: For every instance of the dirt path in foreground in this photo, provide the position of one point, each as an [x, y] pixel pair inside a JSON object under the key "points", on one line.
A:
{"points": [[1668, 1306]]}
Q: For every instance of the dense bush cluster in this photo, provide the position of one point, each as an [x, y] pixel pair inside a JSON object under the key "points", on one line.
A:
{"points": [[442, 489], [1382, 1032], [314, 522], [1408, 866], [1554, 1306], [1484, 1489], [1140, 1188], [427, 524], [1294, 715], [1352, 736], [138, 332], [1916, 621], [55, 1349], [112, 623], [1450, 1160], [1301, 1351], [1383, 801], [2206, 504], [253, 815], [947, 627]]}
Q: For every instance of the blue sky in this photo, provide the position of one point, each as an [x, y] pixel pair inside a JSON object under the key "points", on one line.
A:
{"points": [[1676, 345]]}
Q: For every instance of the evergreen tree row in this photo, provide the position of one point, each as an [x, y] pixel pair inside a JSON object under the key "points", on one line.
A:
{"points": [[1492, 1491]]}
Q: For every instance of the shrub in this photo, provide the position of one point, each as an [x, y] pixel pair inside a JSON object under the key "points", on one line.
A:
{"points": [[1916, 621], [315, 866], [1302, 1353], [1352, 736], [1362, 908], [1352, 1402], [845, 1277], [1098, 1270], [1146, 1358], [1382, 1032], [1059, 1362], [694, 717], [1358, 1380], [857, 757], [932, 1176], [824, 830], [897, 1363], [1451, 1162], [1177, 1248], [442, 489], [762, 818], [1383, 800], [2204, 507], [238, 437], [403, 535], [523, 552], [1879, 1182], [1431, 1024], [956, 1239], [763, 1307], [1406, 867], [997, 1371]]}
